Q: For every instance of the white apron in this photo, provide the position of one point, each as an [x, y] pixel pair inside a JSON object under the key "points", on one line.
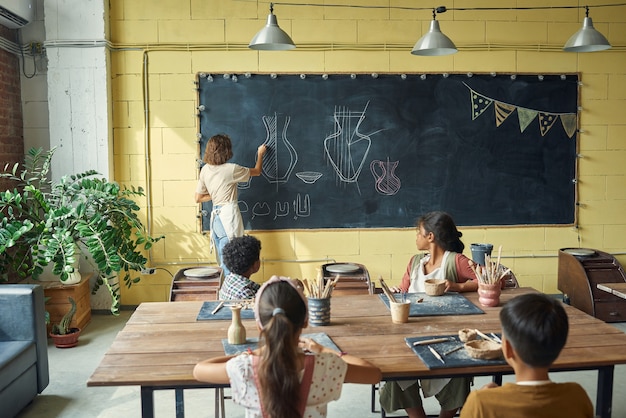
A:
{"points": [[430, 387], [230, 216]]}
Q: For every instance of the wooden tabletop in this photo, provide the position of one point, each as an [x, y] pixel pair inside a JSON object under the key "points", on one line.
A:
{"points": [[617, 289], [162, 341]]}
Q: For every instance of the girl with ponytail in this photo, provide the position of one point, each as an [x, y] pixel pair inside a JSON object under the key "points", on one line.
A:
{"points": [[287, 376]]}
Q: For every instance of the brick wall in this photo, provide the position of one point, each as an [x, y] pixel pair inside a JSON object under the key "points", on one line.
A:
{"points": [[11, 126]]}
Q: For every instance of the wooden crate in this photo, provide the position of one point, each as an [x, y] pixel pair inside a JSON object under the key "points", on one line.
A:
{"points": [[58, 304]]}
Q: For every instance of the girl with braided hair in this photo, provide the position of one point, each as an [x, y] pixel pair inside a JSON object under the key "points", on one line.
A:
{"points": [[287, 376]]}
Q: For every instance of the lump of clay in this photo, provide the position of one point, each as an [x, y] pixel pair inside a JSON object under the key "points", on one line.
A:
{"points": [[467, 334], [483, 349]]}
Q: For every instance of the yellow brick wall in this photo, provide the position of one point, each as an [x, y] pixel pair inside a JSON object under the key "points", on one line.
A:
{"points": [[175, 40]]}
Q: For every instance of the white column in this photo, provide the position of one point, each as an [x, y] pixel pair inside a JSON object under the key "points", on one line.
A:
{"points": [[78, 86]]}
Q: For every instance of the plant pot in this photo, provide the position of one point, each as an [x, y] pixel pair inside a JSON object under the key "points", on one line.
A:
{"points": [[66, 340]]}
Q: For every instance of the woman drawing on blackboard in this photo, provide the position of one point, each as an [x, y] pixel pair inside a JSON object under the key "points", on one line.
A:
{"points": [[438, 236], [218, 182]]}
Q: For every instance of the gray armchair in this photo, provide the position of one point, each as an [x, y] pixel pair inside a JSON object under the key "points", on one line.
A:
{"points": [[23, 346]]}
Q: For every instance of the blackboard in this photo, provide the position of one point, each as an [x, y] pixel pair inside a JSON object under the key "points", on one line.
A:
{"points": [[379, 150]]}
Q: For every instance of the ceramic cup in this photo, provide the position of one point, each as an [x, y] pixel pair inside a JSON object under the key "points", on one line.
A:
{"points": [[319, 312], [400, 312]]}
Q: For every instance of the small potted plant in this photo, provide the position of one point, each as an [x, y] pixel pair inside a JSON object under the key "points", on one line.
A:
{"points": [[45, 223], [63, 335]]}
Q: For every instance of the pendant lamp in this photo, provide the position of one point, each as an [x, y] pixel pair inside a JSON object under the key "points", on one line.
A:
{"points": [[434, 42], [587, 39], [271, 37]]}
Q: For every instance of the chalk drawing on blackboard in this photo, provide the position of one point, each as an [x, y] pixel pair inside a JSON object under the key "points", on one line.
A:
{"points": [[302, 209], [260, 209], [243, 206], [386, 181], [309, 177], [282, 209], [480, 102], [281, 157], [244, 184], [346, 149]]}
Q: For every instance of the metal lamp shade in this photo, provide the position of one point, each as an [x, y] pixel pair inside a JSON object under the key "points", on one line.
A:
{"points": [[587, 39], [271, 37], [434, 42]]}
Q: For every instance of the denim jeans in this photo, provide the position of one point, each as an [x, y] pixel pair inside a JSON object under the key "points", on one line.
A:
{"points": [[220, 239]]}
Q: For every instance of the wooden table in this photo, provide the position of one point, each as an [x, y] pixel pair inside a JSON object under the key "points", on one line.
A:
{"points": [[143, 355], [617, 289]]}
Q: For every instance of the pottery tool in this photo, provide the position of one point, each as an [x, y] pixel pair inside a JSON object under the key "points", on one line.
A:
{"points": [[486, 337], [433, 341], [447, 353], [386, 289], [496, 337], [217, 308], [436, 354]]}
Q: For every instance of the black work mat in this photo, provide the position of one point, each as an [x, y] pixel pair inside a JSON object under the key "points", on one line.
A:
{"points": [[223, 313], [252, 343], [459, 358], [451, 303]]}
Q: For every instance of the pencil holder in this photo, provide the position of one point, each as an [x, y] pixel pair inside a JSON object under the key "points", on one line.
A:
{"points": [[489, 294], [319, 312]]}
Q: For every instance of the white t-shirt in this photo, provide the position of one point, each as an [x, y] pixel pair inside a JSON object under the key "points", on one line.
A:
{"points": [[220, 181], [326, 383]]}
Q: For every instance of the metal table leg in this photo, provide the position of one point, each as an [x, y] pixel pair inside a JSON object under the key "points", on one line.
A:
{"points": [[180, 403], [147, 402], [604, 395]]}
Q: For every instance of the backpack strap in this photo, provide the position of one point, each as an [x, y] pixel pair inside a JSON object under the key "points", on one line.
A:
{"points": [[305, 384]]}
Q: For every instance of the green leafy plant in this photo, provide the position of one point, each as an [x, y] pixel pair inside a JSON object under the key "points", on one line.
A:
{"points": [[44, 223]]}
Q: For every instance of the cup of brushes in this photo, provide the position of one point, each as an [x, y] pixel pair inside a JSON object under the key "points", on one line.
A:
{"points": [[318, 294], [490, 280], [399, 310]]}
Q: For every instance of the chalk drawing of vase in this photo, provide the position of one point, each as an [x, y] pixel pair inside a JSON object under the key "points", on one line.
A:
{"points": [[387, 182], [346, 149], [280, 158]]}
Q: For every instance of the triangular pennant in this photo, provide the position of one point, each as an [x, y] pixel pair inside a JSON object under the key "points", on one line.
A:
{"points": [[569, 123], [479, 103], [503, 111], [546, 120], [525, 117]]}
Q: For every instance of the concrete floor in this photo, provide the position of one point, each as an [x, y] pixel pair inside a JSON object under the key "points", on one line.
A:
{"points": [[68, 396]]}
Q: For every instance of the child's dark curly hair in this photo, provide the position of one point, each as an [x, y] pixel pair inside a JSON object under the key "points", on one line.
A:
{"points": [[241, 253]]}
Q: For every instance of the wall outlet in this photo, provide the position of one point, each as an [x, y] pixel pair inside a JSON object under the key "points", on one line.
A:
{"points": [[148, 271]]}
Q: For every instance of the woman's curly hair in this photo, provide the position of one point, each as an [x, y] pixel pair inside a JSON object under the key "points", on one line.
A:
{"points": [[218, 150]]}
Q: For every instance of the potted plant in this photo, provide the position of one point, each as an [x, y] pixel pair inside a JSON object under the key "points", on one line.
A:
{"points": [[44, 223], [62, 334]]}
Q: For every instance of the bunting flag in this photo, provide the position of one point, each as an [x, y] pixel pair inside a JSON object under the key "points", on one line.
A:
{"points": [[480, 103], [569, 123], [503, 111], [525, 117], [546, 120]]}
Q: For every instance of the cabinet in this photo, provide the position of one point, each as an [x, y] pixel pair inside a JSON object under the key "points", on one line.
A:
{"points": [[57, 303], [579, 272], [195, 288]]}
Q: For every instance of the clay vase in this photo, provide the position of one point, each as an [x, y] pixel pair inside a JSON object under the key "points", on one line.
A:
{"points": [[489, 294], [236, 330]]}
